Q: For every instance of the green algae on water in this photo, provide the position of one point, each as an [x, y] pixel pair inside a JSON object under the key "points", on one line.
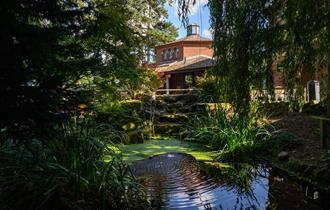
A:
{"points": [[149, 148]]}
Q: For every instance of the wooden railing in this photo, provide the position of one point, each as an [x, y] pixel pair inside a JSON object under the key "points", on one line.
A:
{"points": [[176, 91], [324, 121]]}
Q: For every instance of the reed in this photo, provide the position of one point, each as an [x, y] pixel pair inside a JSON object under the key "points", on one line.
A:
{"points": [[68, 172], [233, 137]]}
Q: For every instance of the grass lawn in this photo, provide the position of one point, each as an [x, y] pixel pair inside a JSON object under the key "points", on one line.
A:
{"points": [[150, 148]]}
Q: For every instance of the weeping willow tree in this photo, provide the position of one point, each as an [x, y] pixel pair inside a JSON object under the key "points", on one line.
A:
{"points": [[242, 56], [254, 38]]}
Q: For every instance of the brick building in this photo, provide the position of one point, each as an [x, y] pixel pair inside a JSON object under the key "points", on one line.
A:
{"points": [[178, 63]]}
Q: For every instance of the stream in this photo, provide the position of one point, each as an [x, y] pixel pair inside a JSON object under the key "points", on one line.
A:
{"points": [[179, 181]]}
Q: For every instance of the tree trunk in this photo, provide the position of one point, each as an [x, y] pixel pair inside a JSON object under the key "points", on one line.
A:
{"points": [[328, 86], [328, 60]]}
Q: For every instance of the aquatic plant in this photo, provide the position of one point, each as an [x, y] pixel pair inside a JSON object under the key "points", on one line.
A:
{"points": [[235, 137], [67, 172]]}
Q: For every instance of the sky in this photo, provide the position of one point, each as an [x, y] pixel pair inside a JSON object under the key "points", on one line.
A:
{"points": [[199, 13]]}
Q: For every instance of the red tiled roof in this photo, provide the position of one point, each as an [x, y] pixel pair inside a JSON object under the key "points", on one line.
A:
{"points": [[190, 63], [189, 39]]}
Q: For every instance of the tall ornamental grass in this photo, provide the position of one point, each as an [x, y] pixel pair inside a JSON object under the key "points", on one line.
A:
{"points": [[234, 137], [67, 172]]}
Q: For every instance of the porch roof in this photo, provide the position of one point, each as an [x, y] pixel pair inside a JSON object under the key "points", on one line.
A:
{"points": [[187, 64]]}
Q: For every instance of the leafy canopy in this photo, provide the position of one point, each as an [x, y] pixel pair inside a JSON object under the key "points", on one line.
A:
{"points": [[56, 54], [253, 39]]}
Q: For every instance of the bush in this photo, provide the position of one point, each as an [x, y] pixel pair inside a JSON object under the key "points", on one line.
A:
{"points": [[126, 118], [67, 172], [209, 90]]}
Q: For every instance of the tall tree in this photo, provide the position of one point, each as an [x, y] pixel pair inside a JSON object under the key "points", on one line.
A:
{"points": [[48, 47], [239, 49], [38, 59], [328, 52], [149, 22]]}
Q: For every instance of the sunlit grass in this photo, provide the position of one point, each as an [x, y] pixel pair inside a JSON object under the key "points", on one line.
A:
{"points": [[150, 148]]}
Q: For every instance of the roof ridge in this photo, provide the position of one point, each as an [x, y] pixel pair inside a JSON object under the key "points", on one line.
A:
{"points": [[196, 56], [186, 38]]}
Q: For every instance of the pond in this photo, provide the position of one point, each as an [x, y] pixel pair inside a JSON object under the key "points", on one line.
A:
{"points": [[179, 181]]}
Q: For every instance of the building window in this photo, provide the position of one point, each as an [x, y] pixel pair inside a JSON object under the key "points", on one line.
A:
{"points": [[164, 55], [173, 53]]}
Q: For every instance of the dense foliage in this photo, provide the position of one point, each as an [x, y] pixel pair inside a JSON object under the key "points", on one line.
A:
{"points": [[241, 58], [210, 91], [68, 172], [62, 62], [56, 54], [252, 39], [234, 137]]}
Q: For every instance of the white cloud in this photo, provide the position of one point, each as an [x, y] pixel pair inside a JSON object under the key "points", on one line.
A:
{"points": [[193, 8], [207, 33]]}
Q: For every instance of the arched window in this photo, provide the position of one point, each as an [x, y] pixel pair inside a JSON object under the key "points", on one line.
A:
{"points": [[173, 52], [176, 52], [169, 54]]}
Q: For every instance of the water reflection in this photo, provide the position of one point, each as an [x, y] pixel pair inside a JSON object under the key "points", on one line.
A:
{"points": [[177, 181]]}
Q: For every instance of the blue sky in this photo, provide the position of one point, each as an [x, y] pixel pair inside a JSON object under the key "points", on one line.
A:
{"points": [[199, 13]]}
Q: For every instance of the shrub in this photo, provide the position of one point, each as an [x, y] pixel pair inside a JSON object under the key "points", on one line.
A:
{"points": [[209, 89], [126, 118]]}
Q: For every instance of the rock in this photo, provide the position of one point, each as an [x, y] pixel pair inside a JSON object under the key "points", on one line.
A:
{"points": [[144, 97], [182, 118], [169, 98], [189, 108], [283, 156], [168, 128], [133, 105], [174, 108], [188, 98], [135, 137], [160, 113], [160, 104], [173, 118]]}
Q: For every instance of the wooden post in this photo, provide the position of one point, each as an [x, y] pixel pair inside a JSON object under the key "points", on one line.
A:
{"points": [[324, 122], [322, 133], [194, 79], [168, 84], [328, 63]]}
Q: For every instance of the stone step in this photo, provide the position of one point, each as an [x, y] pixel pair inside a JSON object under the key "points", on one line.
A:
{"points": [[173, 118], [168, 128], [185, 98], [180, 108], [171, 113]]}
